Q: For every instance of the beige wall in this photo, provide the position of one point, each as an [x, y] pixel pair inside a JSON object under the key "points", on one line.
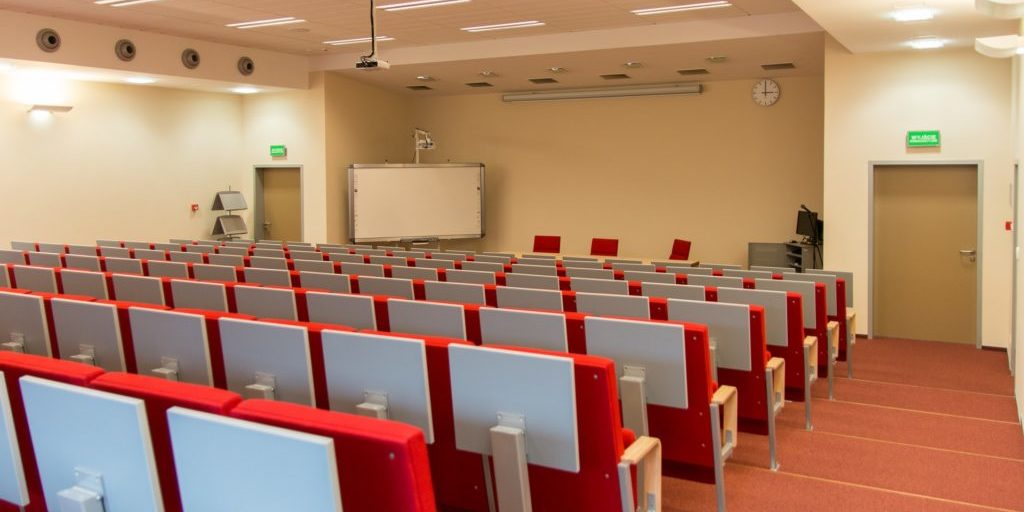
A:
{"points": [[296, 120], [1018, 355], [125, 163], [871, 101], [365, 124], [715, 169]]}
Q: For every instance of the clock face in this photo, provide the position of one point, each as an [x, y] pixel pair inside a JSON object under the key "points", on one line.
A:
{"points": [[766, 92]]}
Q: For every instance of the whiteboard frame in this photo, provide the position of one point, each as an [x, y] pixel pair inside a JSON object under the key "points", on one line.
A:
{"points": [[351, 201]]}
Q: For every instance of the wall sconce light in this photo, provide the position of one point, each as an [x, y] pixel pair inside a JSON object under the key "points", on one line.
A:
{"points": [[50, 108]]}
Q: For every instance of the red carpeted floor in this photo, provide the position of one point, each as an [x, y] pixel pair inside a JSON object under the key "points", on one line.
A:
{"points": [[921, 426]]}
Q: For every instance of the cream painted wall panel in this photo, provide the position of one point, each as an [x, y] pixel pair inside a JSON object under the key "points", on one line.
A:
{"points": [[871, 101], [295, 119], [365, 124], [716, 169], [1018, 93], [125, 163]]}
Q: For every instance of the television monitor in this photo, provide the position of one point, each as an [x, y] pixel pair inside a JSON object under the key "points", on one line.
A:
{"points": [[808, 224]]}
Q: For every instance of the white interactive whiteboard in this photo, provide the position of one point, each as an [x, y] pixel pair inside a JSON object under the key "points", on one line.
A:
{"points": [[415, 201]]}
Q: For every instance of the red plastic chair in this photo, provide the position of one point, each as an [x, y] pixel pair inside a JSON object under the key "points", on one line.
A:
{"points": [[604, 247], [680, 250], [547, 243]]}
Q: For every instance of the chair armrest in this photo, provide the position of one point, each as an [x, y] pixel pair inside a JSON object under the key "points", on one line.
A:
{"points": [[645, 453], [778, 367], [833, 335], [851, 326], [811, 355], [726, 398]]}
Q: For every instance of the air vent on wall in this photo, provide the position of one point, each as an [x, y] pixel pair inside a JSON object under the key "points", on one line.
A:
{"points": [[419, 87], [776, 67], [125, 50], [190, 58], [246, 66], [695, 71], [540, 81], [479, 84], [48, 40], [615, 76]]}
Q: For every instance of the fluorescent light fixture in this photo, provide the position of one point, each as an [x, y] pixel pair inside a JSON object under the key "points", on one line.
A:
{"points": [[140, 80], [682, 8], [265, 23], [245, 90], [358, 40], [122, 3], [689, 89], [1000, 47], [910, 14], [5, 67], [1005, 9], [419, 4], [50, 108], [926, 43], [505, 26]]}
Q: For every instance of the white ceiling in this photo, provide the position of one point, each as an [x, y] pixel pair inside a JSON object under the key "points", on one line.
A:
{"points": [[344, 19], [660, 64], [864, 26]]}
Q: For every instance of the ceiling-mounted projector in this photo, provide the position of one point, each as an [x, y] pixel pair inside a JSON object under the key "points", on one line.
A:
{"points": [[371, 64]]}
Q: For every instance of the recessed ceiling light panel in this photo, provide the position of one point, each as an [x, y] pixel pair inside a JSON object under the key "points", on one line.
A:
{"points": [[913, 13], [273, 22], [504, 26], [682, 8], [245, 90], [926, 43], [419, 4], [140, 80], [357, 40]]}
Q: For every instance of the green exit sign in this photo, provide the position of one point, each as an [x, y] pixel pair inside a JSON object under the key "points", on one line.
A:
{"points": [[277, 151], [924, 139]]}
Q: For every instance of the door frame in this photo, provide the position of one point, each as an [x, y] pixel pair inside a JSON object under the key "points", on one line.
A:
{"points": [[876, 165], [257, 200], [1015, 296]]}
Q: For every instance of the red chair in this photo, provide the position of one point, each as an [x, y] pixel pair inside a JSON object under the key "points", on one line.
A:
{"points": [[604, 247], [547, 243], [680, 250]]}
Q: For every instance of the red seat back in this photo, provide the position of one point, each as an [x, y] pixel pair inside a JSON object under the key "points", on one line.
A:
{"points": [[604, 247], [547, 243], [680, 250]]}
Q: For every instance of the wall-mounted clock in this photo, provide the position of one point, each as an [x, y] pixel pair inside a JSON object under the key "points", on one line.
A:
{"points": [[766, 92]]}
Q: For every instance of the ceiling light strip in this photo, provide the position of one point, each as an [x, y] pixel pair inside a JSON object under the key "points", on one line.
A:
{"points": [[504, 26], [261, 23], [132, 2], [689, 89], [419, 4], [357, 40], [682, 8], [274, 24]]}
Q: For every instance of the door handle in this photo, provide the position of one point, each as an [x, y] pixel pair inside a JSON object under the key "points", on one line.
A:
{"points": [[970, 253]]}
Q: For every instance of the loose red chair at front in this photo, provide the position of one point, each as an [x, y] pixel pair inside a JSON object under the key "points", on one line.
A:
{"points": [[604, 247], [680, 250], [547, 243]]}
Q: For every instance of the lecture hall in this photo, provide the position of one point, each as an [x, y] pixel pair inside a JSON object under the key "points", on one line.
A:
{"points": [[511, 255]]}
